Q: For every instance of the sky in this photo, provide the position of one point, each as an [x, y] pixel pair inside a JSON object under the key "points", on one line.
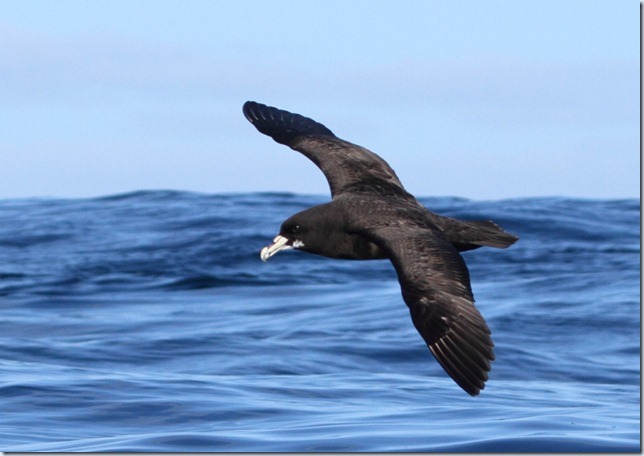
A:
{"points": [[475, 99]]}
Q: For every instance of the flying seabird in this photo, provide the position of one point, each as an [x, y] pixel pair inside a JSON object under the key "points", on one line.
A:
{"points": [[372, 216]]}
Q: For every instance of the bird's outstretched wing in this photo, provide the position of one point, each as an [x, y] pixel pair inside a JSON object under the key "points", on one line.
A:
{"points": [[435, 284], [344, 164]]}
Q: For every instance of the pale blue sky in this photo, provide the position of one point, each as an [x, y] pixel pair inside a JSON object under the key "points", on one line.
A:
{"points": [[485, 100]]}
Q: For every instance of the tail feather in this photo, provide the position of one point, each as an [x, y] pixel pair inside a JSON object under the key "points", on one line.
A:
{"points": [[466, 235]]}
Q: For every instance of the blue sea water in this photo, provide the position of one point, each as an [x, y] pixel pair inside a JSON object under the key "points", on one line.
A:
{"points": [[147, 322]]}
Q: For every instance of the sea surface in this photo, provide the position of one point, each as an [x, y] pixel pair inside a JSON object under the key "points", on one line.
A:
{"points": [[147, 322]]}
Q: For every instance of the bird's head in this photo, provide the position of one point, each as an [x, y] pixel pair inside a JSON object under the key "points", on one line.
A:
{"points": [[308, 230]]}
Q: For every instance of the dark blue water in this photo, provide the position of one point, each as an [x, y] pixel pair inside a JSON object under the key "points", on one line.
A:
{"points": [[147, 322]]}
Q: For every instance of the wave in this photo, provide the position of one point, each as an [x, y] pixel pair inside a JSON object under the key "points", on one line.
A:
{"points": [[176, 240]]}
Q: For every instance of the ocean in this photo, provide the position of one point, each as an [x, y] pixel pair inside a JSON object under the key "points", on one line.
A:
{"points": [[147, 322]]}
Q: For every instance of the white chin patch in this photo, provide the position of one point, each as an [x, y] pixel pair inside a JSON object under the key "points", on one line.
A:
{"points": [[298, 244]]}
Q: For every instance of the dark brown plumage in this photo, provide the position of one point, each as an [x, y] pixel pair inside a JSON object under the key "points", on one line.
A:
{"points": [[372, 216]]}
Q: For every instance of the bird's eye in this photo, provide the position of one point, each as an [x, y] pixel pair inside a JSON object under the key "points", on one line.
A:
{"points": [[296, 229]]}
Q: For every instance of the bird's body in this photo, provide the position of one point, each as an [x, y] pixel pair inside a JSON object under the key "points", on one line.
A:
{"points": [[372, 216]]}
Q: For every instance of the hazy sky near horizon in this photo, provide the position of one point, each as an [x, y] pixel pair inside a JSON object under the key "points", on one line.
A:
{"points": [[484, 100]]}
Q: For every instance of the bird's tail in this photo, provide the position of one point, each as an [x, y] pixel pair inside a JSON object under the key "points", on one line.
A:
{"points": [[467, 235]]}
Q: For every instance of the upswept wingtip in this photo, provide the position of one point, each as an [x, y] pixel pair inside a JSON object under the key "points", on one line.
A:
{"points": [[281, 125]]}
